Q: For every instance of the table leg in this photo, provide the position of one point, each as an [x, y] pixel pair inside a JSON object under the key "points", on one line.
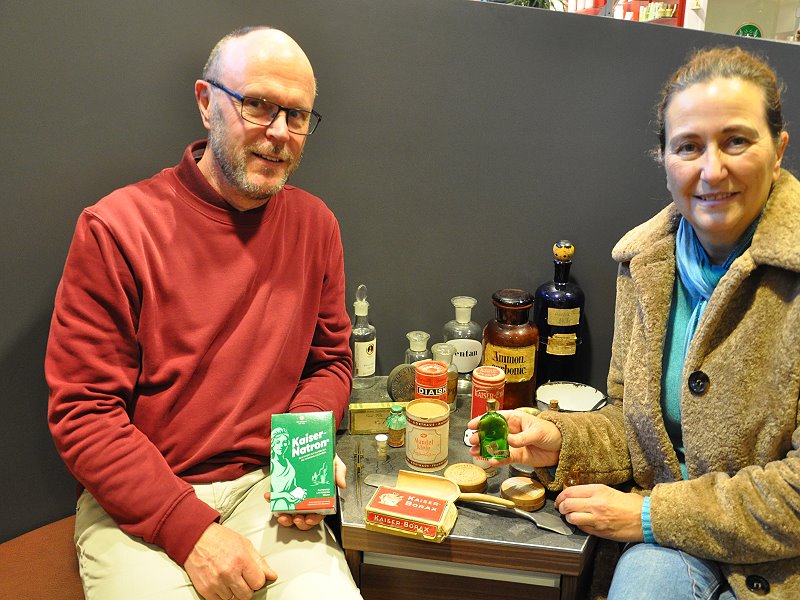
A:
{"points": [[569, 587], [354, 559], [573, 587]]}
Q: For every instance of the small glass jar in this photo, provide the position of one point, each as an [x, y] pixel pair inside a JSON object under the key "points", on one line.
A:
{"points": [[396, 423], [444, 352], [417, 347]]}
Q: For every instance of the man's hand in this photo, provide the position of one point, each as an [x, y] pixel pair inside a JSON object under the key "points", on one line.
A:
{"points": [[224, 563], [306, 521], [603, 511], [531, 440]]}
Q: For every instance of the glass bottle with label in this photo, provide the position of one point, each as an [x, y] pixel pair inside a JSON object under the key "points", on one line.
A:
{"points": [[510, 341], [466, 336], [558, 314], [417, 347], [493, 433], [396, 424], [364, 342], [444, 353]]}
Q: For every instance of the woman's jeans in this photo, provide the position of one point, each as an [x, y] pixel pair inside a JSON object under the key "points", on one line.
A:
{"points": [[650, 572]]}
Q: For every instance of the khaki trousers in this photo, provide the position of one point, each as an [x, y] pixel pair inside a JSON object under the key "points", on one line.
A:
{"points": [[117, 566]]}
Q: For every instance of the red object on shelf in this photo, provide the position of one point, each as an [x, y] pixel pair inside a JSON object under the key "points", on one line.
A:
{"points": [[675, 20], [678, 16], [595, 8]]}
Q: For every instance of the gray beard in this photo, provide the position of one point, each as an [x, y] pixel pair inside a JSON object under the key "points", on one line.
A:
{"points": [[234, 168]]}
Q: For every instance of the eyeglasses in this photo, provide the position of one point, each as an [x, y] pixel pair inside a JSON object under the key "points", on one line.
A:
{"points": [[263, 112]]}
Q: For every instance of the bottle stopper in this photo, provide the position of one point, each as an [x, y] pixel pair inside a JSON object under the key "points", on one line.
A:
{"points": [[563, 251], [463, 306], [418, 340], [361, 306]]}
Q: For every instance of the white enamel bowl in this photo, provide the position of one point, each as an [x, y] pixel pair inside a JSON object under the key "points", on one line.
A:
{"points": [[571, 396]]}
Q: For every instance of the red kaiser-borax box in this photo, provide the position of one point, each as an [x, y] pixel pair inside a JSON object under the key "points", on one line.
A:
{"points": [[301, 463], [408, 514]]}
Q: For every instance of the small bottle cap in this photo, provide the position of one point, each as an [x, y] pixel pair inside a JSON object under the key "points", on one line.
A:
{"points": [[418, 340], [382, 441], [513, 298], [463, 306], [396, 408], [491, 404], [554, 404], [563, 251], [488, 374], [430, 372]]}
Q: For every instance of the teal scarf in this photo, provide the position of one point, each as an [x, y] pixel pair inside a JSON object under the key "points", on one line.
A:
{"points": [[694, 284], [697, 273]]}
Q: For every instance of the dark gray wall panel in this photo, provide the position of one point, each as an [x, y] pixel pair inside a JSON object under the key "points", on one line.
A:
{"points": [[460, 140]]}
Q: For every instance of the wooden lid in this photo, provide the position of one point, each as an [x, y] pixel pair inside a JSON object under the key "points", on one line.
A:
{"points": [[524, 492], [400, 383], [468, 477]]}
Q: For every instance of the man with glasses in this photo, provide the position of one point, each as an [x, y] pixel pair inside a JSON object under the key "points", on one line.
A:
{"points": [[193, 306]]}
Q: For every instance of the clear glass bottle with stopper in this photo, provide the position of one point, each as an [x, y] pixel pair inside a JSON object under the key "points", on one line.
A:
{"points": [[365, 342], [467, 337], [417, 347], [444, 353]]}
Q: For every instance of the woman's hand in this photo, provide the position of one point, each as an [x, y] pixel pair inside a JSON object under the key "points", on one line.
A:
{"points": [[603, 511], [306, 521], [531, 440]]}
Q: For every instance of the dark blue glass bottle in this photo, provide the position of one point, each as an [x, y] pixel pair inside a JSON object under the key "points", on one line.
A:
{"points": [[559, 315]]}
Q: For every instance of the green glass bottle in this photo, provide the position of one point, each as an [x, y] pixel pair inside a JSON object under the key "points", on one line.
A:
{"points": [[493, 432], [396, 424]]}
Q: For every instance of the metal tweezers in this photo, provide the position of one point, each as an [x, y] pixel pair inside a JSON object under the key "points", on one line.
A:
{"points": [[358, 456]]}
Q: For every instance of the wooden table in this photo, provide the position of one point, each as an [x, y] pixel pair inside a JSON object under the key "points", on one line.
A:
{"points": [[486, 555]]}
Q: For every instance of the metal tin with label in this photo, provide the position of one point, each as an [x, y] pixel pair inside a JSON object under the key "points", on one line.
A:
{"points": [[427, 431]]}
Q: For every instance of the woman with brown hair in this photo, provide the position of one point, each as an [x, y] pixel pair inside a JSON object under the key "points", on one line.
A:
{"points": [[701, 437]]}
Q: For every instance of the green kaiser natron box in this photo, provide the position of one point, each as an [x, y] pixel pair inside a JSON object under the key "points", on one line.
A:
{"points": [[301, 463]]}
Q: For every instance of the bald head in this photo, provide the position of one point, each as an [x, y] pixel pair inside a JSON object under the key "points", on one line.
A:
{"points": [[249, 46], [249, 161]]}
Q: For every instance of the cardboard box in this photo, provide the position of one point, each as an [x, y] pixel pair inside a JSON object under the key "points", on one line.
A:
{"points": [[370, 417], [409, 514], [301, 463]]}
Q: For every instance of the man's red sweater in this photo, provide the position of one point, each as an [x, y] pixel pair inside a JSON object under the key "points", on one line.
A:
{"points": [[179, 328]]}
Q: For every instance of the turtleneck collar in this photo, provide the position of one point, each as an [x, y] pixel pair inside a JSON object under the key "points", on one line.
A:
{"points": [[209, 200]]}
